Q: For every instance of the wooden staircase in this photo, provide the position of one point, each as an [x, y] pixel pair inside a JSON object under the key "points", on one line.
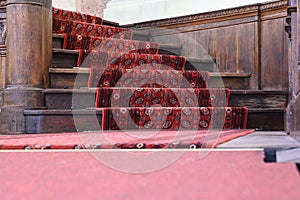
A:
{"points": [[266, 108], [51, 110]]}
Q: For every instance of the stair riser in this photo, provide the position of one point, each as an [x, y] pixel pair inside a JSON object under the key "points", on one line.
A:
{"points": [[140, 37], [64, 100], [58, 44], [266, 120], [276, 101], [59, 123], [55, 123], [60, 60], [200, 66], [66, 81], [237, 83]]}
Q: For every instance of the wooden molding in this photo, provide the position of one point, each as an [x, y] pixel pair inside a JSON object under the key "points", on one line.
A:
{"points": [[226, 13]]}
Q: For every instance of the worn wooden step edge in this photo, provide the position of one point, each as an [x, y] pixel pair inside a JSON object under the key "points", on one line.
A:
{"points": [[76, 70], [266, 110], [259, 92], [229, 74], [166, 46], [259, 99], [86, 111], [110, 23], [65, 51], [62, 112], [135, 32], [188, 59], [69, 91], [161, 47]]}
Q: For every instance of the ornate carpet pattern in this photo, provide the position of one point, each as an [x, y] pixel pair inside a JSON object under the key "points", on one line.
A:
{"points": [[174, 118], [74, 16], [138, 77], [165, 97]]}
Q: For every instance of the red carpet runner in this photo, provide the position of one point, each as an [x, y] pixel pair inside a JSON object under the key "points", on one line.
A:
{"points": [[122, 140]]}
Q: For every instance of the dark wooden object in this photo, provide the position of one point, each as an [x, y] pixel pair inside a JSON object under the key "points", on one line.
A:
{"points": [[28, 44], [293, 109]]}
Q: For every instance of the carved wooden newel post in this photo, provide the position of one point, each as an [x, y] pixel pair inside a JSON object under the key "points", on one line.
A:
{"points": [[29, 55], [293, 108]]}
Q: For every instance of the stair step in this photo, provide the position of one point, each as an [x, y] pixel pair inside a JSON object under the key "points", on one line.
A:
{"points": [[58, 40], [65, 78], [140, 35], [56, 99], [170, 49], [85, 98], [62, 98], [259, 99], [60, 121], [64, 58], [201, 64], [237, 81], [109, 23], [68, 78], [266, 119]]}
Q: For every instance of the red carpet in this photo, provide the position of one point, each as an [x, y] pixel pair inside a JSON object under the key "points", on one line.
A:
{"points": [[222, 175], [121, 139], [145, 77], [75, 16]]}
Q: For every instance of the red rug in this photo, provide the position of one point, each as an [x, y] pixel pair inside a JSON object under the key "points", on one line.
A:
{"points": [[89, 47], [74, 16], [122, 139], [165, 97], [139, 77], [174, 118], [106, 60]]}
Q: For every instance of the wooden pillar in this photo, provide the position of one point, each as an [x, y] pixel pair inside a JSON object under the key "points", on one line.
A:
{"points": [[28, 43], [2, 44], [293, 108]]}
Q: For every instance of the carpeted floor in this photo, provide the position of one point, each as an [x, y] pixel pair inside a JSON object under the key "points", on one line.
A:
{"points": [[197, 174]]}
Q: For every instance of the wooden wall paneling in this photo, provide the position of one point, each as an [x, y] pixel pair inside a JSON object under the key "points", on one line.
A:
{"points": [[241, 39], [274, 55]]}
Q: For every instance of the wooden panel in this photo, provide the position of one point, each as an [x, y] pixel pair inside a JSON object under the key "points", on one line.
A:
{"points": [[263, 119], [274, 70], [57, 121]]}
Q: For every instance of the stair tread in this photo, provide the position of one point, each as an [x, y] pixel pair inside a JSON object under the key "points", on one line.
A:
{"points": [[69, 70], [188, 59], [141, 32], [66, 51], [259, 92], [87, 70], [257, 110], [110, 23], [61, 111]]}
